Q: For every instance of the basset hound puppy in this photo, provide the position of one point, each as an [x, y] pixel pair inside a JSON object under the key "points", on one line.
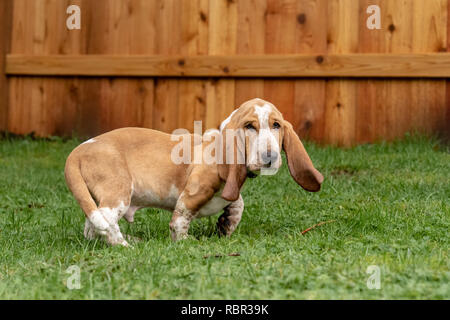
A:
{"points": [[113, 175]]}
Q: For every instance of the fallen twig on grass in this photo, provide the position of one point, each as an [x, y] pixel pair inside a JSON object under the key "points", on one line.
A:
{"points": [[234, 254], [317, 225]]}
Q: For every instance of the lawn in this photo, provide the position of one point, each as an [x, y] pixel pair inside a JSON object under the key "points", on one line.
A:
{"points": [[390, 203]]}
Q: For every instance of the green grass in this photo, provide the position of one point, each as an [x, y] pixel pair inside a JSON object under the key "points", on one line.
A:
{"points": [[390, 203]]}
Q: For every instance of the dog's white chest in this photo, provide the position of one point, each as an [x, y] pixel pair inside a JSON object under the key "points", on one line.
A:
{"points": [[213, 206]]}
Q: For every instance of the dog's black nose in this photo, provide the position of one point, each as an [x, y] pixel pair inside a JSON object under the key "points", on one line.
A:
{"points": [[269, 157]]}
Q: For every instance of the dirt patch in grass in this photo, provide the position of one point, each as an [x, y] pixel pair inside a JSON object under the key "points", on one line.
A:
{"points": [[343, 171]]}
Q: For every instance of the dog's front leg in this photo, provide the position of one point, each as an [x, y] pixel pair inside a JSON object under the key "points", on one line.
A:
{"points": [[179, 225], [231, 217], [196, 193]]}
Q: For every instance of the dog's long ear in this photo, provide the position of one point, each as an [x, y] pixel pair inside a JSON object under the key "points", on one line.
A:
{"points": [[232, 169], [299, 163]]}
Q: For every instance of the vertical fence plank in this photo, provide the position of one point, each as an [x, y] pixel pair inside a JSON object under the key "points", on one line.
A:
{"points": [[166, 105], [47, 90], [18, 117], [399, 35], [192, 92], [117, 103], [143, 42], [371, 94], [59, 103], [311, 37], [6, 7], [41, 118], [430, 35], [16, 42], [87, 96], [220, 93], [281, 26], [250, 40], [341, 94], [64, 101]]}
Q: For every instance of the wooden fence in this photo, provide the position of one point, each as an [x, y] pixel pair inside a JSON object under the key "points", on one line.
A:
{"points": [[165, 63]]}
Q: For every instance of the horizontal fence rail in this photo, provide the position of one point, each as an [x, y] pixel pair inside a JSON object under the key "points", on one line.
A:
{"points": [[429, 65]]}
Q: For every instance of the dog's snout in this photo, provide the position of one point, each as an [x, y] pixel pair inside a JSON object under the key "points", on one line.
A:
{"points": [[269, 157]]}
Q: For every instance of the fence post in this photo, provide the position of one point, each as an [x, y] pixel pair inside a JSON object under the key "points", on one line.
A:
{"points": [[6, 8]]}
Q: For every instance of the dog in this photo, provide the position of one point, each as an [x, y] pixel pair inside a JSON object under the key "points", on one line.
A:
{"points": [[116, 173]]}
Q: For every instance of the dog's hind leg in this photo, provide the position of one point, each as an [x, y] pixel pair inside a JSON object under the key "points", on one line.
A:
{"points": [[103, 192], [112, 214], [114, 197]]}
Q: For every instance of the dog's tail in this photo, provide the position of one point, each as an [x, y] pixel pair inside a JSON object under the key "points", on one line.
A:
{"points": [[78, 186]]}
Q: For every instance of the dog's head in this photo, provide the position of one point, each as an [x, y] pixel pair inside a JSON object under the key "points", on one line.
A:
{"points": [[252, 139]]}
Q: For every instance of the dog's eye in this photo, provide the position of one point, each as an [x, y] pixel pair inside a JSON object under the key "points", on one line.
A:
{"points": [[276, 125], [249, 126]]}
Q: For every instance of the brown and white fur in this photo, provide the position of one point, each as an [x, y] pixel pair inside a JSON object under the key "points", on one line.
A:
{"points": [[116, 173]]}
